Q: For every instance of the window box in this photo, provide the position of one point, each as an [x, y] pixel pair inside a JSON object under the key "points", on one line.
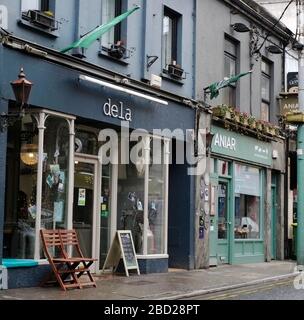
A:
{"points": [[175, 71], [117, 50], [41, 19], [222, 112]]}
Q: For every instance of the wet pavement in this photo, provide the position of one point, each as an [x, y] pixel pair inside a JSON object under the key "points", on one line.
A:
{"points": [[176, 284]]}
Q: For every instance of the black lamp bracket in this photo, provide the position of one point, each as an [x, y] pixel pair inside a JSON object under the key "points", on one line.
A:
{"points": [[150, 61]]}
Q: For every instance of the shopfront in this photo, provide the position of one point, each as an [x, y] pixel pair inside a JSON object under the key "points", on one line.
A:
{"points": [[238, 180], [56, 177]]}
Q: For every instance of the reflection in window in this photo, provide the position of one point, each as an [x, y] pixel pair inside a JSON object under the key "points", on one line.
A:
{"points": [[247, 202], [55, 173], [105, 213], [230, 69], [170, 37], [110, 10], [21, 182], [130, 201], [222, 210], [156, 198], [86, 142]]}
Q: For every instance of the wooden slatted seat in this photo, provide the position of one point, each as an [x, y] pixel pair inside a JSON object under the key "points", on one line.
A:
{"points": [[70, 244], [67, 269], [63, 267]]}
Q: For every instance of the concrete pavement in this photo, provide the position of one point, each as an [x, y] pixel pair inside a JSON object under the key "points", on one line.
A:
{"points": [[177, 284]]}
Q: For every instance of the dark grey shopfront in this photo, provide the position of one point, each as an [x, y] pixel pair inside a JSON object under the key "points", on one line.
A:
{"points": [[57, 182]]}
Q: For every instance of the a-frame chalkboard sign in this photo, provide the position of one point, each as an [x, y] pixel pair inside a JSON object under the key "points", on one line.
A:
{"points": [[122, 247]]}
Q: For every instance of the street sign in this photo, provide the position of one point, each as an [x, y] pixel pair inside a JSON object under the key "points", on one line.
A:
{"points": [[288, 102]]}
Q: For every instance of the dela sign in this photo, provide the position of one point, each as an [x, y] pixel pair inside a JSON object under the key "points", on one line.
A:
{"points": [[117, 111]]}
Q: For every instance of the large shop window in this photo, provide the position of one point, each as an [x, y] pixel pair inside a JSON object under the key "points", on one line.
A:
{"points": [[25, 182], [21, 182], [247, 202], [55, 173], [142, 193]]}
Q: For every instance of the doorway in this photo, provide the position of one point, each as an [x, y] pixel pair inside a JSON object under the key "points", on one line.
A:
{"points": [[86, 189], [223, 222]]}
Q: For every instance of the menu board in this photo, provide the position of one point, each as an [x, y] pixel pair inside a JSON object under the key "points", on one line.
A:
{"points": [[122, 247]]}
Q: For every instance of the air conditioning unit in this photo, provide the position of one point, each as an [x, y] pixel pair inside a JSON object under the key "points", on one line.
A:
{"points": [[41, 19]]}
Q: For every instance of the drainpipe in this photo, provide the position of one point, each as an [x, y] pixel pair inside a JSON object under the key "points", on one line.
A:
{"points": [[300, 142]]}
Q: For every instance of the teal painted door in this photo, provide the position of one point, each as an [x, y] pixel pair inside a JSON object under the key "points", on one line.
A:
{"points": [[273, 222], [223, 222]]}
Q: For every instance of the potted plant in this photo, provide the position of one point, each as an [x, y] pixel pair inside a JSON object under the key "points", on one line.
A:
{"points": [[244, 118], [236, 116], [259, 125], [117, 50], [222, 111], [252, 122]]}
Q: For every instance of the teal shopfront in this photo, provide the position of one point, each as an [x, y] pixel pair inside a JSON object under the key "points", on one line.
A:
{"points": [[238, 186]]}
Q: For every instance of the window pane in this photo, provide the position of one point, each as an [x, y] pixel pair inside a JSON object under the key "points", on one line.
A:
{"points": [[265, 111], [130, 199], [21, 186], [222, 210], [86, 142], [265, 89], [229, 96], [247, 217], [247, 202], [30, 5], [223, 168], [230, 47], [108, 13], [105, 213], [265, 67], [156, 198], [230, 66], [167, 41], [55, 174]]}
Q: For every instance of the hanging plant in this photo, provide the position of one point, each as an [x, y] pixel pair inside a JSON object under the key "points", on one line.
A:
{"points": [[222, 111], [252, 122], [244, 118]]}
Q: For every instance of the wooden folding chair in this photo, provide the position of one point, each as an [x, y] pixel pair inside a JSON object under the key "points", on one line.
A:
{"points": [[63, 268], [70, 244]]}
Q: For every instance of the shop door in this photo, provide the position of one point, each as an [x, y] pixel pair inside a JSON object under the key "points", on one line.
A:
{"points": [[273, 221], [223, 222], [85, 205]]}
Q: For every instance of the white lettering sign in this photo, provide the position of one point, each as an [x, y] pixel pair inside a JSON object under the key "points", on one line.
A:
{"points": [[223, 141], [117, 111]]}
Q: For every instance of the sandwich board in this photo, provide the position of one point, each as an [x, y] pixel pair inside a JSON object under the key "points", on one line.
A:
{"points": [[122, 247]]}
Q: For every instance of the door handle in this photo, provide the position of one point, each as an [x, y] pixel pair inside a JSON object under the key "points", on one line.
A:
{"points": [[228, 222]]}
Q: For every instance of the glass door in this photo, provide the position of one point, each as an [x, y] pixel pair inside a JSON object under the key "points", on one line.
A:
{"points": [[85, 204], [223, 222]]}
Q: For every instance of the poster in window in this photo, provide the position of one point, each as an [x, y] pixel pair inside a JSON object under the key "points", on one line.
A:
{"points": [[81, 197]]}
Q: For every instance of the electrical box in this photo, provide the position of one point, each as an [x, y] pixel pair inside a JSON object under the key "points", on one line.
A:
{"points": [[155, 81]]}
